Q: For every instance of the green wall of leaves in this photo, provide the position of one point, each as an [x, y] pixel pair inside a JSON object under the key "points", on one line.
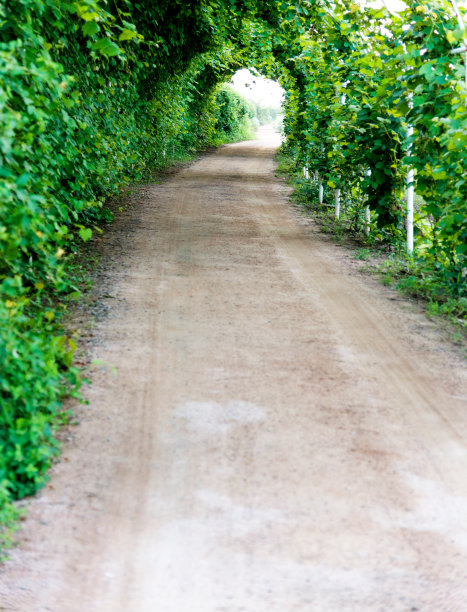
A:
{"points": [[88, 100]]}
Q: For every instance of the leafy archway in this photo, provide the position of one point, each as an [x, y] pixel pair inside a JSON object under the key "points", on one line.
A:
{"points": [[94, 92]]}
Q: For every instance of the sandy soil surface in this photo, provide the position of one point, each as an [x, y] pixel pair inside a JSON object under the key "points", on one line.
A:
{"points": [[280, 433]]}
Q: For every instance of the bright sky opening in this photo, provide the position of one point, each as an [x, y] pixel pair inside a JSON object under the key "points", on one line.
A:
{"points": [[257, 88]]}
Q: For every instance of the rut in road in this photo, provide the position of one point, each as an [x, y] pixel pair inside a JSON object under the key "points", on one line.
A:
{"points": [[280, 435]]}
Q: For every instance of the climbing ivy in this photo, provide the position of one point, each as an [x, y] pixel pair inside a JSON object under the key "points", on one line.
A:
{"points": [[393, 71]]}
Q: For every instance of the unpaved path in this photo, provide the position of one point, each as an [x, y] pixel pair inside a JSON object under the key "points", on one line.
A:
{"points": [[280, 435]]}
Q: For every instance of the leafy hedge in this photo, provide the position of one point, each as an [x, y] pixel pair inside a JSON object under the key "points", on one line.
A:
{"points": [[88, 100], [234, 116]]}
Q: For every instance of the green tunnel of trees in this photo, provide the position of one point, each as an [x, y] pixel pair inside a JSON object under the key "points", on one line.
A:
{"points": [[93, 92]]}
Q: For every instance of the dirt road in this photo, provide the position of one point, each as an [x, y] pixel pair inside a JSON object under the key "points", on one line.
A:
{"points": [[281, 433]]}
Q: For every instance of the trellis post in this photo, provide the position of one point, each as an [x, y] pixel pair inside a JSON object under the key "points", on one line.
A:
{"points": [[337, 203], [367, 211], [410, 196]]}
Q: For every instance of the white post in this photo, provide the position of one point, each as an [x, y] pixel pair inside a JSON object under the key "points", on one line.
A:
{"points": [[337, 203], [367, 211], [410, 189], [337, 192], [320, 182], [410, 199], [305, 172], [367, 220]]}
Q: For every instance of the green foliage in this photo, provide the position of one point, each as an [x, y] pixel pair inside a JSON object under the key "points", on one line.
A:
{"points": [[363, 254], [234, 116], [36, 375], [417, 278], [9, 515], [264, 114]]}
